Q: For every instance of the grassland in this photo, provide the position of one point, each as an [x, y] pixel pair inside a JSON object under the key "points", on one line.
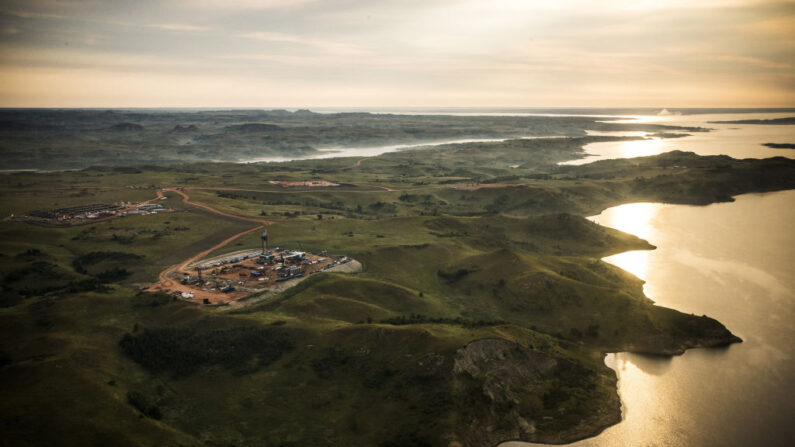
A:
{"points": [[482, 314], [75, 139]]}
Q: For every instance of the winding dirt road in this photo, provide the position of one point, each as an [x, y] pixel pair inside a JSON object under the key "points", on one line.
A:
{"points": [[172, 285]]}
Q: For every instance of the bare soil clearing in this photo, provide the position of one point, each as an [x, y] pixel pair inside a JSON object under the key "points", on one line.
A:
{"points": [[245, 274]]}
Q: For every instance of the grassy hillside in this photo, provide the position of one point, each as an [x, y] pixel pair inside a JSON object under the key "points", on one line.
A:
{"points": [[482, 314]]}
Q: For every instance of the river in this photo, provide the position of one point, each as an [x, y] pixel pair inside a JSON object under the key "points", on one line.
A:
{"points": [[735, 140], [733, 262], [373, 151]]}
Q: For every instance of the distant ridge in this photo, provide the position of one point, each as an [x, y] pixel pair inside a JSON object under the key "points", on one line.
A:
{"points": [[777, 121], [15, 125], [181, 129], [126, 127], [253, 128]]}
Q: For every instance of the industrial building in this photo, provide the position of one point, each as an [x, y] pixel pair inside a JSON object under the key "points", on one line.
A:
{"points": [[147, 208], [84, 211], [252, 271]]}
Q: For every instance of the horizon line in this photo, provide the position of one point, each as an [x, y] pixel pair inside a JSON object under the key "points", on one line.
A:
{"points": [[310, 108]]}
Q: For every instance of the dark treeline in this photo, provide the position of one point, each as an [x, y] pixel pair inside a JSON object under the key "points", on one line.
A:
{"points": [[182, 351], [420, 319]]}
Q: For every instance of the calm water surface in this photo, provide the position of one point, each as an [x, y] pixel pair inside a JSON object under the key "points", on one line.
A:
{"points": [[372, 151], [733, 262], [735, 140]]}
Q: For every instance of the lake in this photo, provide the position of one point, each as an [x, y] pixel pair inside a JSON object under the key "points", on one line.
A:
{"points": [[735, 140], [733, 262]]}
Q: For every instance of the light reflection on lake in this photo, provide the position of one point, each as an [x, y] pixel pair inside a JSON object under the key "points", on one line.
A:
{"points": [[623, 149], [733, 262], [734, 140], [635, 218]]}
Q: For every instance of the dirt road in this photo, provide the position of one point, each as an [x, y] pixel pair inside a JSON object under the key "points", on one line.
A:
{"points": [[173, 285]]}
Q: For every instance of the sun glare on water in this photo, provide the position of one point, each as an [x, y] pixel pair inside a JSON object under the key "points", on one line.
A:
{"points": [[633, 218], [640, 148]]}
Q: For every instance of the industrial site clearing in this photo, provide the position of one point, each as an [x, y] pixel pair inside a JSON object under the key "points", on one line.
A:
{"points": [[79, 215], [234, 276], [238, 275]]}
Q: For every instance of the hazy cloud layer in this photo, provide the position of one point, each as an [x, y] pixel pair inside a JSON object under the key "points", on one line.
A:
{"points": [[84, 53]]}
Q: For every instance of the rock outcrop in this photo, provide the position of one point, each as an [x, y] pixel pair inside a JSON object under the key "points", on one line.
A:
{"points": [[506, 391]]}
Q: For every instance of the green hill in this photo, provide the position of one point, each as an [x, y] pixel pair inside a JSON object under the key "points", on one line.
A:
{"points": [[482, 314]]}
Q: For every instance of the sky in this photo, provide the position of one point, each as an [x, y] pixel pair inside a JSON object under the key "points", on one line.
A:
{"points": [[397, 53]]}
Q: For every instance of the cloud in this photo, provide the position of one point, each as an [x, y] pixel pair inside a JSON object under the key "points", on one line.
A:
{"points": [[775, 27], [245, 4], [70, 59], [33, 15], [325, 45], [180, 27], [753, 61], [456, 52]]}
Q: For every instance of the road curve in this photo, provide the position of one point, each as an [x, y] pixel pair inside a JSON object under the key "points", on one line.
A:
{"points": [[166, 283]]}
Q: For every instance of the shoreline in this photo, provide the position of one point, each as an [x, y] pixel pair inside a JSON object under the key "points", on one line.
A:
{"points": [[616, 417]]}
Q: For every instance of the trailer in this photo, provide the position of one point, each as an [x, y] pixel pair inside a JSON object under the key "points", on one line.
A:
{"points": [[289, 277]]}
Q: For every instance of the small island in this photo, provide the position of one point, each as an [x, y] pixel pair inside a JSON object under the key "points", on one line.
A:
{"points": [[780, 145], [773, 121]]}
